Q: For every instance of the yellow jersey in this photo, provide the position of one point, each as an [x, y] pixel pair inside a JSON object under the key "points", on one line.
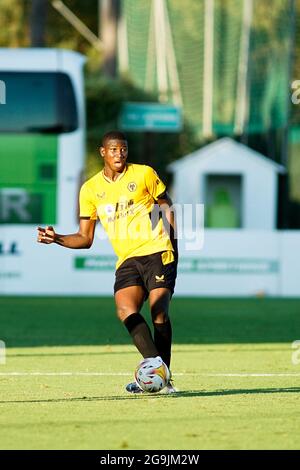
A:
{"points": [[127, 210]]}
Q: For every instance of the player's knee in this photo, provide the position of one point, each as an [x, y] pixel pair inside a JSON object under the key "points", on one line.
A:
{"points": [[159, 311], [159, 316], [123, 313]]}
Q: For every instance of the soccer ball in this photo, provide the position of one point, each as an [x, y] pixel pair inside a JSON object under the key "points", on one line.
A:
{"points": [[152, 374]]}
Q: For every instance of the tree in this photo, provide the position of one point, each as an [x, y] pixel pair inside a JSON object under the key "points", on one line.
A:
{"points": [[13, 29]]}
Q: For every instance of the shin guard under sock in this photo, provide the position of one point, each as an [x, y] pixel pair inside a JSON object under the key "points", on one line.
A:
{"points": [[163, 340], [141, 335]]}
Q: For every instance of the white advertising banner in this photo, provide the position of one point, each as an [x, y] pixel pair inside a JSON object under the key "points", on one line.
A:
{"points": [[29, 267], [230, 263], [290, 263]]}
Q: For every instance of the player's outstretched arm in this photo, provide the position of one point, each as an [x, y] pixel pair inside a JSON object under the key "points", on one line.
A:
{"points": [[82, 239]]}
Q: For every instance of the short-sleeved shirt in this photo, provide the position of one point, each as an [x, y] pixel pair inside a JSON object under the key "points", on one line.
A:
{"points": [[127, 210]]}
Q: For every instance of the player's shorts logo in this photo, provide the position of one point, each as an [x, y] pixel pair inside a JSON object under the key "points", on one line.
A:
{"points": [[132, 186], [160, 278]]}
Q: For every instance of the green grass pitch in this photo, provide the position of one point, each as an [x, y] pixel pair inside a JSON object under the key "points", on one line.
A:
{"points": [[68, 360]]}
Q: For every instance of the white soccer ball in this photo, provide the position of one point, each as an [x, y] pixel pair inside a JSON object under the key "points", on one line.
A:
{"points": [[152, 374]]}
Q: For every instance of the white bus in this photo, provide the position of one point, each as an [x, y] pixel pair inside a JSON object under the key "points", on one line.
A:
{"points": [[42, 135]]}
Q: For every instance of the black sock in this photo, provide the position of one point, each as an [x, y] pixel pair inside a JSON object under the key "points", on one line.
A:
{"points": [[141, 335], [163, 340]]}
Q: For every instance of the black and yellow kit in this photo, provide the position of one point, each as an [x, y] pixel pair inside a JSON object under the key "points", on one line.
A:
{"points": [[125, 208]]}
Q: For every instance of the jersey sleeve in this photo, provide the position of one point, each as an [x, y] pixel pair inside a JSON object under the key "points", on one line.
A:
{"points": [[153, 183], [87, 208]]}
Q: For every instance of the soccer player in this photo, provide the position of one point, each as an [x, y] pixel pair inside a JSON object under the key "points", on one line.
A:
{"points": [[136, 212]]}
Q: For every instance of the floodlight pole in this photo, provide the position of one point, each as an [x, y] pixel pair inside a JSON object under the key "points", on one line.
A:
{"points": [[161, 53], [160, 46], [123, 53], [171, 61]]}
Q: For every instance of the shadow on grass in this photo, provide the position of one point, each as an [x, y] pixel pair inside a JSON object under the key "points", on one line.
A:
{"points": [[146, 396], [68, 321]]}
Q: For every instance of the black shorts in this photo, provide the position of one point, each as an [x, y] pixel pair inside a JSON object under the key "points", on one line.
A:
{"points": [[148, 271]]}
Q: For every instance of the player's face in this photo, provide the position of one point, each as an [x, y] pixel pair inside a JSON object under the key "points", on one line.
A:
{"points": [[115, 153]]}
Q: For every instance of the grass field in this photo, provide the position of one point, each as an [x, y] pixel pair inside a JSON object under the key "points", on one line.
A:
{"points": [[68, 359]]}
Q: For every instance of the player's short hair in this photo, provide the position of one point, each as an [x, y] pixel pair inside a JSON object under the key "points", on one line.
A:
{"points": [[113, 135]]}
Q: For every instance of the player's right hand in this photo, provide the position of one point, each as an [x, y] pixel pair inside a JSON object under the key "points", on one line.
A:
{"points": [[46, 235]]}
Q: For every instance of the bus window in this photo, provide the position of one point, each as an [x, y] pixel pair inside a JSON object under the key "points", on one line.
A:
{"points": [[38, 102]]}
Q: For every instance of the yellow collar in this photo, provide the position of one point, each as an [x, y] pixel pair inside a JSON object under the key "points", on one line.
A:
{"points": [[117, 179]]}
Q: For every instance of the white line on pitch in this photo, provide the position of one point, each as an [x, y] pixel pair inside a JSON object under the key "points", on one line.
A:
{"points": [[65, 374], [283, 374], [112, 374]]}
